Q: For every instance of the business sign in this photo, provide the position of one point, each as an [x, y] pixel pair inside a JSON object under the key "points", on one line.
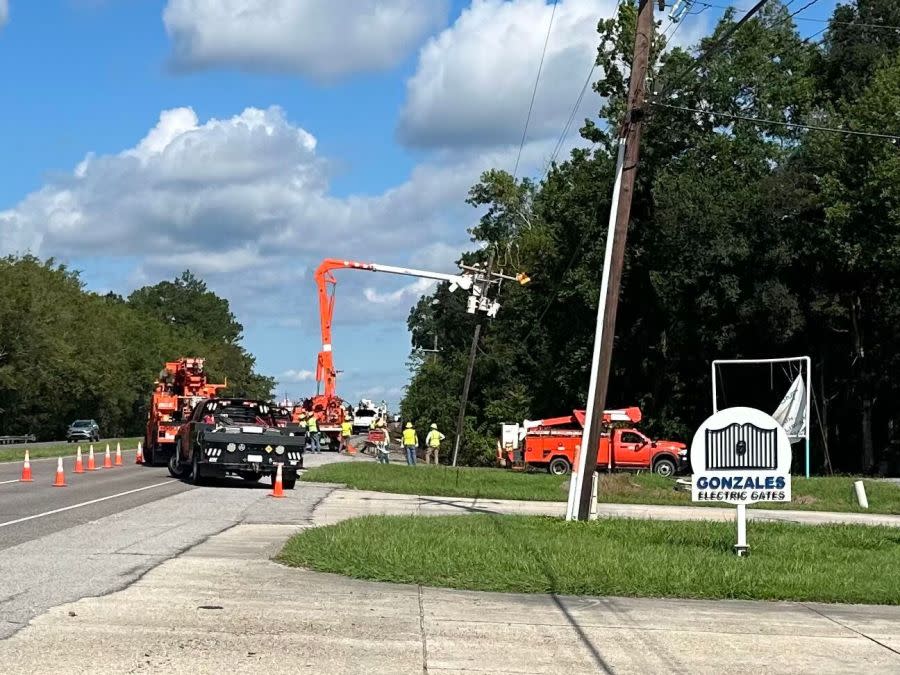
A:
{"points": [[741, 456]]}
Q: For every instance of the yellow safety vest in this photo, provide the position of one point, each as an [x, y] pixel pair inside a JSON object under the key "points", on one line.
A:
{"points": [[346, 429], [409, 437], [434, 438], [312, 424]]}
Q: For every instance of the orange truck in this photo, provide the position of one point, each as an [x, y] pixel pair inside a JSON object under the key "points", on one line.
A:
{"points": [[180, 386], [553, 444]]}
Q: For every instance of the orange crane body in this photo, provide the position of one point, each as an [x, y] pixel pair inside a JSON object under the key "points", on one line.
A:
{"points": [[180, 385]]}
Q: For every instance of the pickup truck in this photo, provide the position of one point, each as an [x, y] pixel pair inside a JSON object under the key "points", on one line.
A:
{"points": [[553, 444], [236, 436]]}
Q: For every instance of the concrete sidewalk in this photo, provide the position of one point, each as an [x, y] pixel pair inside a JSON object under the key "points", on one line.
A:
{"points": [[343, 503], [225, 606]]}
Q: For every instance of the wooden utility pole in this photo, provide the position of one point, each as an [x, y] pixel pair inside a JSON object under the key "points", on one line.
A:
{"points": [[606, 331], [476, 336]]}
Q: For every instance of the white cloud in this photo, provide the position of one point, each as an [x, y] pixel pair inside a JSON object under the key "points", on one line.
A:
{"points": [[4, 12], [322, 39], [474, 80], [244, 202], [296, 376]]}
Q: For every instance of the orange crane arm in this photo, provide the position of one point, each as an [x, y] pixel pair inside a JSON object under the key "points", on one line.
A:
{"points": [[325, 373]]}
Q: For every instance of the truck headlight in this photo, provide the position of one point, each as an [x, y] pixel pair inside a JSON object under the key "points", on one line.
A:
{"points": [[231, 447], [279, 450]]}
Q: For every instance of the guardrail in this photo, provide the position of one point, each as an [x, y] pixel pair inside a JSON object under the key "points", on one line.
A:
{"points": [[9, 440]]}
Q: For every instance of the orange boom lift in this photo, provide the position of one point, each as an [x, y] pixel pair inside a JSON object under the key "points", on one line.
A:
{"points": [[327, 406]]}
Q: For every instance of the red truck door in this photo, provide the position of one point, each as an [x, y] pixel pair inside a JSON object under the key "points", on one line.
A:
{"points": [[632, 449]]}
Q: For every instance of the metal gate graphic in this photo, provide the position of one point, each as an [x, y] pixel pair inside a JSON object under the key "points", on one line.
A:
{"points": [[741, 446]]}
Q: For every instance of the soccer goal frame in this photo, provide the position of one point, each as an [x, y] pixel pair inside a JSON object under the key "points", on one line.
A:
{"points": [[805, 360]]}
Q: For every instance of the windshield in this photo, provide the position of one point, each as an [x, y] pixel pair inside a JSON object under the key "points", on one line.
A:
{"points": [[81, 423], [365, 412]]}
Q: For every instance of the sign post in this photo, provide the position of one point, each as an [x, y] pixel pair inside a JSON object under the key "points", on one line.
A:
{"points": [[741, 456]]}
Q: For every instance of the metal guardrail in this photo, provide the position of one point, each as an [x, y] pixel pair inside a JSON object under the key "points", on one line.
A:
{"points": [[9, 440]]}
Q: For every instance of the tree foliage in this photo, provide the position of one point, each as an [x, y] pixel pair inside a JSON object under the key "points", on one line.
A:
{"points": [[66, 353], [746, 240]]}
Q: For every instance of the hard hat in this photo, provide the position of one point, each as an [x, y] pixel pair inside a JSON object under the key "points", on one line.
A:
{"points": [[434, 426], [409, 425]]}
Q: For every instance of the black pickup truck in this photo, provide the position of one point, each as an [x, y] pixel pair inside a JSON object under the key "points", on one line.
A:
{"points": [[236, 436]]}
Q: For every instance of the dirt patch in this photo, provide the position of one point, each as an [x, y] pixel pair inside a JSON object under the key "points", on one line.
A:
{"points": [[806, 500]]}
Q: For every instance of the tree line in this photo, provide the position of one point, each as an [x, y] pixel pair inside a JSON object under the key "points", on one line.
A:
{"points": [[66, 353], [748, 239]]}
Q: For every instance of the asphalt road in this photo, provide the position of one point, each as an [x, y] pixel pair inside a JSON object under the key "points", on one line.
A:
{"points": [[107, 528], [32, 510]]}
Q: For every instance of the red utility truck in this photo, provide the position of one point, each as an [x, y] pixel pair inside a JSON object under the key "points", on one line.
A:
{"points": [[553, 444]]}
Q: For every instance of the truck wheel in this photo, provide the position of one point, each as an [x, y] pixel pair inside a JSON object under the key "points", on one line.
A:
{"points": [[559, 466], [288, 482], [664, 467], [150, 456], [175, 469], [196, 477]]}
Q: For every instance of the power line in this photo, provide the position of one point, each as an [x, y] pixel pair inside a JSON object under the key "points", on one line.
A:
{"points": [[812, 19], [716, 46], [565, 132], [759, 120], [537, 80]]}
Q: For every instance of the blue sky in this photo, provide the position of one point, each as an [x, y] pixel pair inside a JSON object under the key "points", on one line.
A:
{"points": [[324, 133]]}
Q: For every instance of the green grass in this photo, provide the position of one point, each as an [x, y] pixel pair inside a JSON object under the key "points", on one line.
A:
{"points": [[16, 453], [440, 481], [619, 557], [813, 494]]}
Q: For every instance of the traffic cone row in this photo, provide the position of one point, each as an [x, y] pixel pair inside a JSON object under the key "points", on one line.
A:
{"points": [[60, 480]]}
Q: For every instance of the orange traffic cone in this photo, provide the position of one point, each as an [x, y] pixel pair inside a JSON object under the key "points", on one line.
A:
{"points": [[107, 460], [91, 465], [118, 454], [60, 476], [26, 470], [79, 465], [139, 457], [351, 449], [277, 487]]}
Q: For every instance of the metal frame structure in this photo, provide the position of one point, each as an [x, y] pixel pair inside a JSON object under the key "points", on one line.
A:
{"points": [[787, 359]]}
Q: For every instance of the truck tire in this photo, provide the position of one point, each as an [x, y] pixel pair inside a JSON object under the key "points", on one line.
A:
{"points": [[150, 455], [559, 466], [196, 477], [664, 467], [250, 476], [288, 482], [175, 469]]}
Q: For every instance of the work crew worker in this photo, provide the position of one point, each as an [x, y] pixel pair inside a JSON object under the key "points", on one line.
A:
{"points": [[346, 432], [410, 443], [312, 426], [383, 447], [433, 444]]}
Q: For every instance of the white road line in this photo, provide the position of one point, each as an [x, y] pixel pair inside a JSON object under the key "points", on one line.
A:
{"points": [[4, 482], [78, 506]]}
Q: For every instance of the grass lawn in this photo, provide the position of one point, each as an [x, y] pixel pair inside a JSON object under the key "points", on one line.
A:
{"points": [[620, 557], [16, 453], [813, 494]]}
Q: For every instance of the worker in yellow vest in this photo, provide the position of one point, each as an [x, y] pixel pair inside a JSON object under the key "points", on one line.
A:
{"points": [[410, 443], [312, 426], [346, 432], [433, 443]]}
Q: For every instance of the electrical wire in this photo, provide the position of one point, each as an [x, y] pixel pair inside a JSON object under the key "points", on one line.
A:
{"points": [[879, 26], [537, 80], [759, 120], [712, 49]]}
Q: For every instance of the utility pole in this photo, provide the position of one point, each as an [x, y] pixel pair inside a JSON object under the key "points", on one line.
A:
{"points": [[461, 420], [581, 492]]}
